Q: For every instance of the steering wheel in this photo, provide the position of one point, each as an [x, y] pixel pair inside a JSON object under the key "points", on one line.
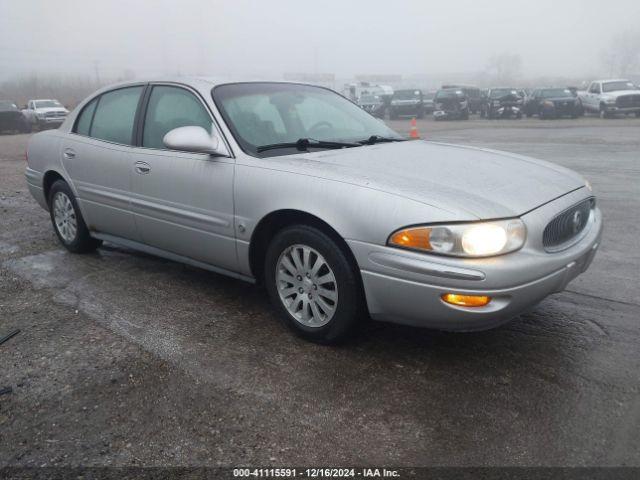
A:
{"points": [[320, 125]]}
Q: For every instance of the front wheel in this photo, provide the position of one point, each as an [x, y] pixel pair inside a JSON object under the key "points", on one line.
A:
{"points": [[67, 220], [312, 284]]}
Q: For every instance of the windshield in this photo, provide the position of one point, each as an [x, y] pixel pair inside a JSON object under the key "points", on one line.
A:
{"points": [[449, 94], [48, 104], [406, 94], [261, 114], [4, 105], [617, 86], [555, 92], [503, 92]]}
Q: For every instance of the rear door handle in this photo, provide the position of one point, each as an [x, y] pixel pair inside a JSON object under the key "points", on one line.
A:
{"points": [[69, 153], [142, 168]]}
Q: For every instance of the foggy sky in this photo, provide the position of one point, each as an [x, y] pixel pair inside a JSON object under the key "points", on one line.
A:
{"points": [[270, 37]]}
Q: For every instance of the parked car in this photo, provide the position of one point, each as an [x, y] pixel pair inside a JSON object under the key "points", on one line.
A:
{"points": [[502, 102], [473, 94], [45, 113], [610, 97], [553, 102], [12, 119], [372, 104], [428, 100], [406, 103], [298, 188], [451, 104]]}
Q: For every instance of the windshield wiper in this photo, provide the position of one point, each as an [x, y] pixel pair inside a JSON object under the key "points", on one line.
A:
{"points": [[373, 139], [303, 144]]}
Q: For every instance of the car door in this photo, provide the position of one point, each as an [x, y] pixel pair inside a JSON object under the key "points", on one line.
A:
{"points": [[95, 158], [182, 202]]}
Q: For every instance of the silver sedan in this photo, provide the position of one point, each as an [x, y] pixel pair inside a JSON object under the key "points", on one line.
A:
{"points": [[298, 188]]}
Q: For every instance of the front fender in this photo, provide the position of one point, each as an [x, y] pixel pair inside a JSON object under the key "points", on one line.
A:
{"points": [[355, 212]]}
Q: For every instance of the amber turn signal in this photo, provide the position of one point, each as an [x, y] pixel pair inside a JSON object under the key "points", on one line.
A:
{"points": [[412, 238], [466, 300]]}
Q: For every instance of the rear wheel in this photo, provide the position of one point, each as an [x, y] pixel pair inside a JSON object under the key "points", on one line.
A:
{"points": [[313, 285], [67, 220]]}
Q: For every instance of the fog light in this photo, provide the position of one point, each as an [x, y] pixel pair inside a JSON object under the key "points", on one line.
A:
{"points": [[466, 300]]}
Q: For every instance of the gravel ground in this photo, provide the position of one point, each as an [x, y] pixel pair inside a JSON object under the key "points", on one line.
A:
{"points": [[125, 359]]}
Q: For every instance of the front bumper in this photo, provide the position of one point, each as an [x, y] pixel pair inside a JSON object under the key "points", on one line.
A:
{"points": [[406, 287], [445, 114], [51, 120], [610, 108]]}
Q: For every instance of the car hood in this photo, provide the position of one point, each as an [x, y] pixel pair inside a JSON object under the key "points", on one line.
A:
{"points": [[412, 101], [560, 99], [470, 183], [52, 109]]}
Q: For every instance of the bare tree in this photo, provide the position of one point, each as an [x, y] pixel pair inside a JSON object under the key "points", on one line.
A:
{"points": [[622, 56], [505, 68]]}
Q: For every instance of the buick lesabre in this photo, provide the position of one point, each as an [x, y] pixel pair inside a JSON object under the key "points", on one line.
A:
{"points": [[298, 188]]}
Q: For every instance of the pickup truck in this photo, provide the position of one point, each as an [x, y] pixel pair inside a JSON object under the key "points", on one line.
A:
{"points": [[45, 113], [609, 97]]}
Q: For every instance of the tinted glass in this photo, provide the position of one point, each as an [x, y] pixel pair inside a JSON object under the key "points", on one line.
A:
{"points": [[169, 108], [406, 94], [84, 120], [555, 92], [115, 115], [269, 113]]}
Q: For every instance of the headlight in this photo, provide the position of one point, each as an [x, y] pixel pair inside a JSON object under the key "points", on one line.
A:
{"points": [[482, 239], [547, 103]]}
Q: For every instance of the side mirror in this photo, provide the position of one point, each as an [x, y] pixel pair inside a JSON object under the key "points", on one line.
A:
{"points": [[194, 139]]}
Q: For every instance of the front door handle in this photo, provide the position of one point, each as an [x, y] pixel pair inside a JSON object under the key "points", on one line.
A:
{"points": [[142, 168], [69, 153]]}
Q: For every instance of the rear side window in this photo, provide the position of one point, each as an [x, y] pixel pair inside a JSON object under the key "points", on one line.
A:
{"points": [[169, 108], [83, 125], [115, 114]]}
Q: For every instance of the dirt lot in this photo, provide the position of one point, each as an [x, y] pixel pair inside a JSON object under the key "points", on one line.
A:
{"points": [[126, 359]]}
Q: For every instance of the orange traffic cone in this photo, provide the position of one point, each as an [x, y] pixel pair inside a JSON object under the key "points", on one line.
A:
{"points": [[414, 129]]}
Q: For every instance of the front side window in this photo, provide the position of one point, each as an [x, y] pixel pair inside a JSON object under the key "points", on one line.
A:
{"points": [[115, 115], [261, 114], [169, 108]]}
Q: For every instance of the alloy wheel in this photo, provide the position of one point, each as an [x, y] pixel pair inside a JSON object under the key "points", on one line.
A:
{"points": [[65, 217], [306, 285]]}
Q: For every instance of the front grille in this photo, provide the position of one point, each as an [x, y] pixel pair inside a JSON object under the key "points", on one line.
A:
{"points": [[567, 227], [627, 101], [55, 114]]}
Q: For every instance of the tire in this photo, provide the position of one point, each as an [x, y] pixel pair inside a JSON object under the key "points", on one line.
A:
{"points": [[603, 112], [67, 220], [290, 288]]}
